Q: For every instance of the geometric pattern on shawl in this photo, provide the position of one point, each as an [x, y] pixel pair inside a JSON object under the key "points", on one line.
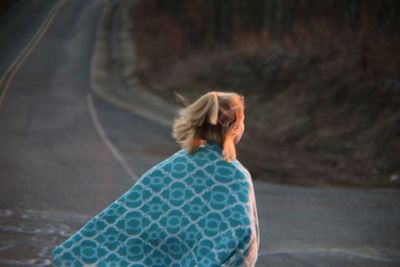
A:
{"points": [[188, 210]]}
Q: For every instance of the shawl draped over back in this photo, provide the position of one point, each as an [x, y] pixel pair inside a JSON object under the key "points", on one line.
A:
{"points": [[188, 210]]}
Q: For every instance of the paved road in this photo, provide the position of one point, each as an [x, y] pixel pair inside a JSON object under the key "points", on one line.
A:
{"points": [[53, 162], [65, 155]]}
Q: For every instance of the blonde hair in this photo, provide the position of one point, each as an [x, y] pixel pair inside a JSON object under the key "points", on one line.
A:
{"points": [[214, 116]]}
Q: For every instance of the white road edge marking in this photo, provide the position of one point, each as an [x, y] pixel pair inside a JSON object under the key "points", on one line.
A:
{"points": [[114, 151], [358, 254]]}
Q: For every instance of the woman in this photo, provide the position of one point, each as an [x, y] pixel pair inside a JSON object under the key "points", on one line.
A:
{"points": [[195, 208]]}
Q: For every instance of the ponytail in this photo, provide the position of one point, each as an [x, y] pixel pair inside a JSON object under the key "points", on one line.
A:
{"points": [[211, 117], [213, 114]]}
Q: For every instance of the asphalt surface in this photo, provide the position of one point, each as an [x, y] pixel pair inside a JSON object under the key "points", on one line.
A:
{"points": [[65, 155]]}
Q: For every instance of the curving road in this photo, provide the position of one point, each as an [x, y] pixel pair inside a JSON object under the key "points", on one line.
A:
{"points": [[66, 154], [54, 163]]}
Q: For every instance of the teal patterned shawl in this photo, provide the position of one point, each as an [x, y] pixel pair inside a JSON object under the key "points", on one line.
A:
{"points": [[188, 210]]}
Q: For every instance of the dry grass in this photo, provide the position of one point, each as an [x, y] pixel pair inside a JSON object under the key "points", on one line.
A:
{"points": [[321, 103]]}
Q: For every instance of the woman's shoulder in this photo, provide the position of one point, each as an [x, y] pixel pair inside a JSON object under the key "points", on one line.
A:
{"points": [[206, 158], [182, 164], [241, 168]]}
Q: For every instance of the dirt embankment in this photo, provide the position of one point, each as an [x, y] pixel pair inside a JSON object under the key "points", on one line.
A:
{"points": [[6, 6], [317, 112]]}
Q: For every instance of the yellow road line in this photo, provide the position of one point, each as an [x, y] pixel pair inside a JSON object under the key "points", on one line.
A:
{"points": [[41, 28], [23, 55]]}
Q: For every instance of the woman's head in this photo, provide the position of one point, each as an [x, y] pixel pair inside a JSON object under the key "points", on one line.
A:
{"points": [[216, 116]]}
